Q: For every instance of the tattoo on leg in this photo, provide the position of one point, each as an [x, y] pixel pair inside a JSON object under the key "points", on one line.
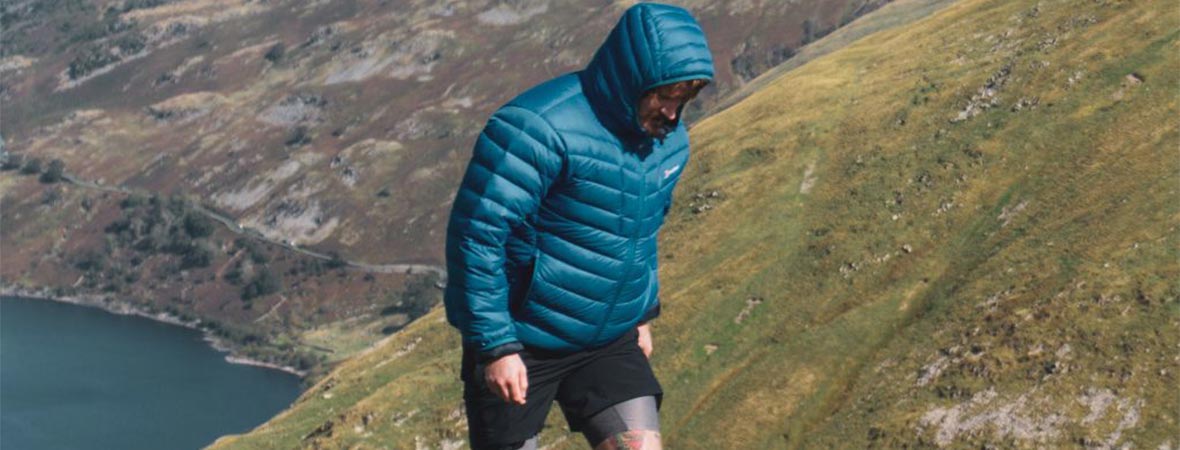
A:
{"points": [[632, 440]]}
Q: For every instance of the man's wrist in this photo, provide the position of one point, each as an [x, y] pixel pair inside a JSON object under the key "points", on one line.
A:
{"points": [[650, 315], [499, 351]]}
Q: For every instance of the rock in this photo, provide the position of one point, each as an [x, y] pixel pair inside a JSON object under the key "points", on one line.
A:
{"points": [[944, 206], [1007, 214], [700, 201], [293, 110], [930, 372], [1026, 103], [985, 97], [745, 313], [318, 36], [324, 430], [848, 268], [349, 176], [989, 413]]}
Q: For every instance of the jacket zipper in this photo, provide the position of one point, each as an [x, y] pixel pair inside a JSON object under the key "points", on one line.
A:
{"points": [[630, 255]]}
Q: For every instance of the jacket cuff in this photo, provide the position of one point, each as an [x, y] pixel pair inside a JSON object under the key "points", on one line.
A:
{"points": [[499, 351], [650, 314]]}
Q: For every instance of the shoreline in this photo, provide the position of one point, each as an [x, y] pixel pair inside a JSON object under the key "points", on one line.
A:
{"points": [[107, 304]]}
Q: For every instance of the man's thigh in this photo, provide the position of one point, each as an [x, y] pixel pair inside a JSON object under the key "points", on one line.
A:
{"points": [[495, 424], [632, 424], [615, 374]]}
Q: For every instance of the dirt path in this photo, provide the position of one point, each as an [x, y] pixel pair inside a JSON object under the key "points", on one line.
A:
{"points": [[272, 308]]}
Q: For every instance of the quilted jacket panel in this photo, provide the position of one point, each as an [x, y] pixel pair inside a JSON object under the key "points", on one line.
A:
{"points": [[552, 237]]}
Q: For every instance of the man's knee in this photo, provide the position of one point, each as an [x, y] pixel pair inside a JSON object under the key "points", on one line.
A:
{"points": [[632, 440]]}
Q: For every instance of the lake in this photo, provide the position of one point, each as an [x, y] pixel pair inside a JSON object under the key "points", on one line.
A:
{"points": [[74, 377]]}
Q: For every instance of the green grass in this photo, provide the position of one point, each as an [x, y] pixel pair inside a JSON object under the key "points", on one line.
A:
{"points": [[1028, 257]]}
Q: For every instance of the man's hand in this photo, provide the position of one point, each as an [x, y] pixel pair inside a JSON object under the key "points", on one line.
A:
{"points": [[645, 339], [508, 378]]}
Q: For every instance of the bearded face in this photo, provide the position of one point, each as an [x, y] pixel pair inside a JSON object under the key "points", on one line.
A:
{"points": [[659, 108]]}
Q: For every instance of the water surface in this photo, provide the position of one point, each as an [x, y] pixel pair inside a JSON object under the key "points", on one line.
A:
{"points": [[74, 377]]}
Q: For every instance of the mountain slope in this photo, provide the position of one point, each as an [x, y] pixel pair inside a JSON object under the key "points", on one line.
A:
{"points": [[349, 106], [894, 14], [307, 129], [948, 277], [961, 233]]}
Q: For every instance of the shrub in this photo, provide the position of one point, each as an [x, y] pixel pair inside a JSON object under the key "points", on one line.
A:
{"points": [[197, 255], [264, 283], [257, 255], [54, 172], [133, 201], [313, 267], [50, 197], [32, 166], [276, 52], [146, 244], [197, 225], [299, 137], [12, 162], [90, 261], [337, 261], [234, 275]]}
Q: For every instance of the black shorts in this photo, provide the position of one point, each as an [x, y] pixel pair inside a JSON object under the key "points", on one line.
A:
{"points": [[583, 383]]}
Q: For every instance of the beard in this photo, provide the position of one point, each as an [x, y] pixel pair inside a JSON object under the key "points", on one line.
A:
{"points": [[659, 127]]}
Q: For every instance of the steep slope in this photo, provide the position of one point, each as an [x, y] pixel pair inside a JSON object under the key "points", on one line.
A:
{"points": [[312, 129], [961, 233], [349, 106], [891, 15]]}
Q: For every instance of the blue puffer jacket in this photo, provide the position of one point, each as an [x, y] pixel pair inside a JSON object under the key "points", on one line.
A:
{"points": [[552, 236]]}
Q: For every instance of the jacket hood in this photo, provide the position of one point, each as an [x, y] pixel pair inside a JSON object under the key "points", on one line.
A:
{"points": [[652, 45]]}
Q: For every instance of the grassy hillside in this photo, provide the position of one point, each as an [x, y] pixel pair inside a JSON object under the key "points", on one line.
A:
{"points": [[346, 125], [893, 14], [308, 128], [957, 234]]}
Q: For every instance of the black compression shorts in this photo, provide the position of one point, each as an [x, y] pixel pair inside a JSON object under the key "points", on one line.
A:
{"points": [[583, 383]]}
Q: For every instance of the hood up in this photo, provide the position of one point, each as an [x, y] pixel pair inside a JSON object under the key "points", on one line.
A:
{"points": [[652, 45]]}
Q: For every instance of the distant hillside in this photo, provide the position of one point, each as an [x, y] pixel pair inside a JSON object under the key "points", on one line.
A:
{"points": [[960, 233], [334, 128], [334, 124]]}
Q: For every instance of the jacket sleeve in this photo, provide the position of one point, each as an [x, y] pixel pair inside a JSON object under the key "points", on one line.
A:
{"points": [[651, 313], [516, 159]]}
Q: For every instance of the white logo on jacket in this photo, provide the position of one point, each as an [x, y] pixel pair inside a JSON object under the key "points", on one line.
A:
{"points": [[669, 172]]}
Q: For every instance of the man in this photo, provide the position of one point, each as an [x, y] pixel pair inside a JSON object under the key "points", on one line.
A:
{"points": [[551, 244]]}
